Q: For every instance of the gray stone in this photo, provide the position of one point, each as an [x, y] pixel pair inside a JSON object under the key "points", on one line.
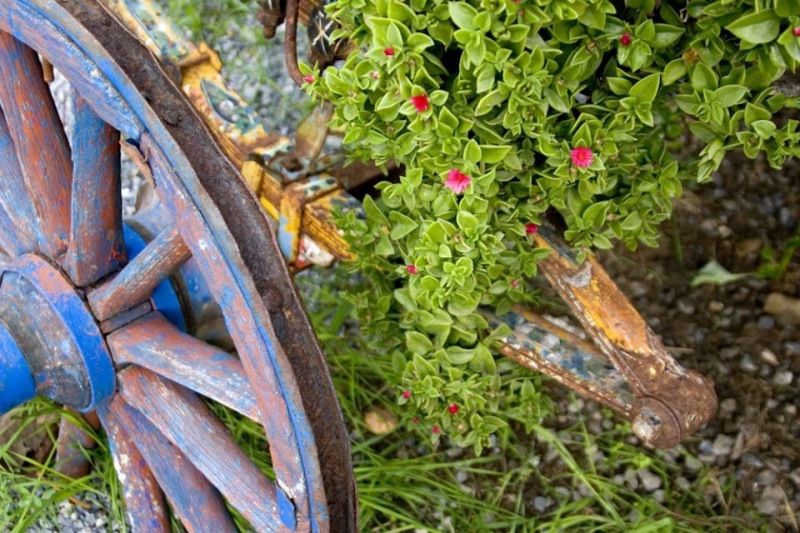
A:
{"points": [[728, 405], [771, 501], [650, 481], [723, 445], [747, 364], [783, 378], [541, 503]]}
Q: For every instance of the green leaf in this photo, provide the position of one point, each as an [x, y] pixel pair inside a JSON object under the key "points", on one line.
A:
{"points": [[488, 102], [665, 36], [675, 70], [646, 89], [491, 154], [704, 78], [787, 8], [418, 343], [463, 15], [619, 86], [401, 225], [715, 274], [467, 221], [757, 28], [730, 95], [472, 152]]}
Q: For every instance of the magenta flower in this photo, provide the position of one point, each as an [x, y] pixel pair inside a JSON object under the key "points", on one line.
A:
{"points": [[625, 40], [453, 408], [406, 394], [388, 51], [421, 102], [457, 181], [514, 284], [530, 227], [411, 269], [796, 32], [436, 429], [309, 79], [582, 156]]}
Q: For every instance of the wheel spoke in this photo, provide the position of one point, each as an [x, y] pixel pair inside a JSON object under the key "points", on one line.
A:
{"points": [[196, 502], [39, 138], [155, 344], [71, 458], [96, 246], [17, 216], [193, 429], [144, 501], [134, 284]]}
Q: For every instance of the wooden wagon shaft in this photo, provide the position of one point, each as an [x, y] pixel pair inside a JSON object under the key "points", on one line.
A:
{"points": [[630, 371]]}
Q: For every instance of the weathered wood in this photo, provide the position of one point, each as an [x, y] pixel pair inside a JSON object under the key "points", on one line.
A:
{"points": [[194, 430], [96, 247], [155, 344], [144, 501], [135, 283], [18, 223], [196, 502], [73, 441], [39, 139], [73, 62], [263, 358]]}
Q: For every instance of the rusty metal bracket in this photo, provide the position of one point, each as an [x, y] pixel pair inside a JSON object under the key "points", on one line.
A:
{"points": [[670, 402]]}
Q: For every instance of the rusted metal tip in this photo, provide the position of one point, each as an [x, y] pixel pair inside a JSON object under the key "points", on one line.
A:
{"points": [[655, 423]]}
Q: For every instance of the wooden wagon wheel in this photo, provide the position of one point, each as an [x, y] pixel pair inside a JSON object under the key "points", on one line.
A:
{"points": [[79, 321]]}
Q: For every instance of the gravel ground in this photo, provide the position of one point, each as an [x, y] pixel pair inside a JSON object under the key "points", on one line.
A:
{"points": [[743, 334]]}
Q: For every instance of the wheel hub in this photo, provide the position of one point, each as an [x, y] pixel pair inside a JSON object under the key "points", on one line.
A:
{"points": [[47, 329]]}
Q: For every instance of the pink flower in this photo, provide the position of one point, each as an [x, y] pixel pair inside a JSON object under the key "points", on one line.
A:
{"points": [[388, 51], [796, 32], [374, 74], [309, 79], [411, 269], [453, 408], [514, 284], [625, 40], [436, 429], [582, 156], [406, 394], [421, 102], [530, 227], [457, 181]]}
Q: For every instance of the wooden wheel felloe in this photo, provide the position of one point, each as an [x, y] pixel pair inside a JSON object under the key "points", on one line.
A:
{"points": [[96, 321]]}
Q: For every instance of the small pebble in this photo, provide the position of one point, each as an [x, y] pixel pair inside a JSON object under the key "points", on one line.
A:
{"points": [[747, 364], [771, 501], [541, 503], [767, 478], [715, 307], [728, 405], [766, 322], [783, 378], [769, 357], [650, 481], [723, 445]]}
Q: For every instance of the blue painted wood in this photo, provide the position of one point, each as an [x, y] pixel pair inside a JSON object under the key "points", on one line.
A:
{"points": [[164, 297], [145, 507], [188, 424], [17, 385], [18, 222], [153, 343], [82, 345], [96, 247], [41, 29], [40, 141], [196, 502]]}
